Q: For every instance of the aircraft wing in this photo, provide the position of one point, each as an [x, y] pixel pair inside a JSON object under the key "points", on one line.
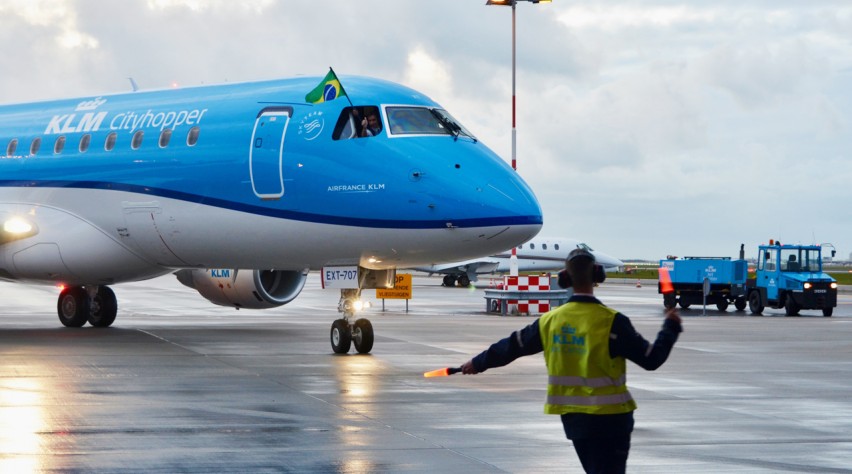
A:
{"points": [[470, 267]]}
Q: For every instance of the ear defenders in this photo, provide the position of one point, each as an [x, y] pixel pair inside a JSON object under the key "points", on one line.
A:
{"points": [[564, 280]]}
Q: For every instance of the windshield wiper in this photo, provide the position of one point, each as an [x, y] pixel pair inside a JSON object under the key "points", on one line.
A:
{"points": [[453, 127]]}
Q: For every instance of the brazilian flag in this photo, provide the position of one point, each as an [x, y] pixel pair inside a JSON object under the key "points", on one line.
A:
{"points": [[328, 89]]}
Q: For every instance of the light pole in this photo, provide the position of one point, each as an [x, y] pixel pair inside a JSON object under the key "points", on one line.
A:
{"points": [[513, 260]]}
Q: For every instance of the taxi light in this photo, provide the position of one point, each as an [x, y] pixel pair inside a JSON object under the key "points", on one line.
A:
{"points": [[808, 286], [833, 285]]}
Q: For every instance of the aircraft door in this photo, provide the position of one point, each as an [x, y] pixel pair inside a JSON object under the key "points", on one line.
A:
{"points": [[267, 150]]}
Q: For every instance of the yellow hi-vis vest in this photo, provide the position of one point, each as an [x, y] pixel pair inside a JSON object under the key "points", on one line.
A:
{"points": [[582, 377]]}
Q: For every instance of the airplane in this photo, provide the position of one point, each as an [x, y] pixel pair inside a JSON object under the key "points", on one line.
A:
{"points": [[542, 254], [241, 189]]}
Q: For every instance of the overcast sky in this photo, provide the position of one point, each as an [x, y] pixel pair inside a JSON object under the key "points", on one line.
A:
{"points": [[646, 128]]}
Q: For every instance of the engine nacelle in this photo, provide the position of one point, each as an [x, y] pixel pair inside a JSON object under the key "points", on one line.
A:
{"points": [[252, 289]]}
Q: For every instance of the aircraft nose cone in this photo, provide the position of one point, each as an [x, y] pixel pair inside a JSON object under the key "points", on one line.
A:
{"points": [[608, 261], [517, 200], [518, 215]]}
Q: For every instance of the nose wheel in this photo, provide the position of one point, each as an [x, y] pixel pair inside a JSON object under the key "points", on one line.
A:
{"points": [[344, 332], [362, 336], [343, 335]]}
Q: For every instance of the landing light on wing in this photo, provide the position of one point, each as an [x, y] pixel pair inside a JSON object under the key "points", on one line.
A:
{"points": [[17, 226]]}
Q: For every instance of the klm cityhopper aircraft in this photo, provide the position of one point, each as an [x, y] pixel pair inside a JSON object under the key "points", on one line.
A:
{"points": [[241, 189]]}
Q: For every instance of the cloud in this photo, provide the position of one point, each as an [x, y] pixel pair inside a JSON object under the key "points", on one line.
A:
{"points": [[615, 18], [760, 74], [53, 18], [428, 74], [645, 127]]}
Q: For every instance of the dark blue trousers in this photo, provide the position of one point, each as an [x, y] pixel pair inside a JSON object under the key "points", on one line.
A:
{"points": [[606, 455]]}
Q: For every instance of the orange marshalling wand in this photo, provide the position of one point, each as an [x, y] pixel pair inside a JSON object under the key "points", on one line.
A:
{"points": [[443, 372], [665, 281]]}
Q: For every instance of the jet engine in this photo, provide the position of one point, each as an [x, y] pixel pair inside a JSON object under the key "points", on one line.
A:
{"points": [[252, 289]]}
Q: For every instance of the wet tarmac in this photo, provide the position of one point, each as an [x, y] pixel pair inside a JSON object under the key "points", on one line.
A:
{"points": [[179, 385]]}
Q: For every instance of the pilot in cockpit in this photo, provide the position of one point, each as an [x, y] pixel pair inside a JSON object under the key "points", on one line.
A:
{"points": [[356, 122], [370, 125]]}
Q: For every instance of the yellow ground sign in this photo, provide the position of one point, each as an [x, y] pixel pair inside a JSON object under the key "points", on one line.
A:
{"points": [[401, 289]]}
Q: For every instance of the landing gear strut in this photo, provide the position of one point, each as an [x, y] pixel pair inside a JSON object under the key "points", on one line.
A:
{"points": [[344, 331], [78, 305]]}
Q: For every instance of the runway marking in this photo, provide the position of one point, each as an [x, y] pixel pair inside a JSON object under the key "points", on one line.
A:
{"points": [[697, 349]]}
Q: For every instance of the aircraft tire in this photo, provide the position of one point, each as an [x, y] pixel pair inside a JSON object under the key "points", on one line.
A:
{"points": [[362, 336], [464, 281], [341, 336], [104, 309], [449, 281], [73, 307]]}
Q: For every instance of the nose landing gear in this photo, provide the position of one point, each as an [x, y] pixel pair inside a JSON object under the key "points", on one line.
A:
{"points": [[344, 331]]}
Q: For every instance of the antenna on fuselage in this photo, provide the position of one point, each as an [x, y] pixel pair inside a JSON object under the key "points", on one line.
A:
{"points": [[133, 84]]}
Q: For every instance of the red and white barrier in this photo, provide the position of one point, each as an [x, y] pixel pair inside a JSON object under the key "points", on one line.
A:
{"points": [[527, 283]]}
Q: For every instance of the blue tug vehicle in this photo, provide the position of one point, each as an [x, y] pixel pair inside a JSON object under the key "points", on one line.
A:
{"points": [[786, 276]]}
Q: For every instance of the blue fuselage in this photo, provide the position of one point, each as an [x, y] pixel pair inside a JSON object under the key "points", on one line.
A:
{"points": [[249, 176]]}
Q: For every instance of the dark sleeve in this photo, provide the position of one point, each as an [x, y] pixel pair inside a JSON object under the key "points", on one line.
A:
{"points": [[626, 342], [524, 342]]}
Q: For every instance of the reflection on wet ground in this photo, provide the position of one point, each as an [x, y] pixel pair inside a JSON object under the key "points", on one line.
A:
{"points": [[179, 386]]}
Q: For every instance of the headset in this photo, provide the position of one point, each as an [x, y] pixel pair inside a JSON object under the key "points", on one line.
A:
{"points": [[564, 280]]}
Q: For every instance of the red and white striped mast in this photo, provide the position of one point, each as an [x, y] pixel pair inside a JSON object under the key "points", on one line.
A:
{"points": [[513, 260]]}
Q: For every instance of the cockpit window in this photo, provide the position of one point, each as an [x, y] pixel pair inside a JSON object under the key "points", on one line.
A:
{"points": [[411, 120], [585, 247], [356, 122]]}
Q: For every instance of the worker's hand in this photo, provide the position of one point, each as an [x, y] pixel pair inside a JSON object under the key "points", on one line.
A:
{"points": [[672, 314], [468, 368]]}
